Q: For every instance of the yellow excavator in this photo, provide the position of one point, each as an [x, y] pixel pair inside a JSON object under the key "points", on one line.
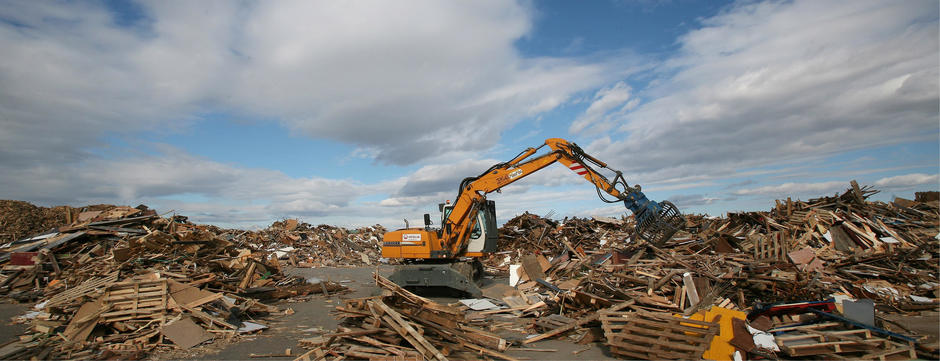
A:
{"points": [[448, 257]]}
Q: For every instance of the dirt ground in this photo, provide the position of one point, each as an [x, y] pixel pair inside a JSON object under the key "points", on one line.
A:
{"points": [[11, 331]]}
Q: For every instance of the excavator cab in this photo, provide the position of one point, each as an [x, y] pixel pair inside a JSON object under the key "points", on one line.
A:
{"points": [[484, 234], [453, 275]]}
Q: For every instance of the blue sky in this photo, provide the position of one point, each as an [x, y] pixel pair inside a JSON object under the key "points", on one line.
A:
{"points": [[356, 113]]}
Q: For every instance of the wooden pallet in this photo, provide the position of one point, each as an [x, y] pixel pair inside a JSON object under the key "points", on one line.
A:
{"points": [[135, 299], [656, 335], [772, 247], [811, 342]]}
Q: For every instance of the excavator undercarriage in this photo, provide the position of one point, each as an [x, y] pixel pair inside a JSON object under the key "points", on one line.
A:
{"points": [[425, 278]]}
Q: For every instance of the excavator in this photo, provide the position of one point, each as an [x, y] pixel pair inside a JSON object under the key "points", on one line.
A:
{"points": [[448, 258]]}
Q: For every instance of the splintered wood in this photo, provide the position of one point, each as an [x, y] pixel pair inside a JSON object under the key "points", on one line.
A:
{"points": [[375, 327], [843, 246], [121, 282]]}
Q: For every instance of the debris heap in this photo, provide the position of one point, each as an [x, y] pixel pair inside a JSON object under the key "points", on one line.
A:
{"points": [[117, 281], [402, 325], [831, 277], [805, 271]]}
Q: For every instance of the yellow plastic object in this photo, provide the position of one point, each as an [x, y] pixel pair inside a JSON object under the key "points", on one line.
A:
{"points": [[720, 349]]}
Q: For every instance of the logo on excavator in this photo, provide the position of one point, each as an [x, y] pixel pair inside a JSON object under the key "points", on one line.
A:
{"points": [[507, 178], [411, 239]]}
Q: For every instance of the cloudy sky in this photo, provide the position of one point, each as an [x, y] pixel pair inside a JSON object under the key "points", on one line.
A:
{"points": [[239, 113]]}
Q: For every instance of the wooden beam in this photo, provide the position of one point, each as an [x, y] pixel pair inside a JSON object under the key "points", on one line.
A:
{"points": [[581, 321]]}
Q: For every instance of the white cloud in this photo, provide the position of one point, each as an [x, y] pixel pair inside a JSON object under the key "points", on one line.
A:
{"points": [[435, 83], [792, 188], [400, 80], [190, 183], [772, 82], [690, 200], [434, 183], [605, 100], [907, 181]]}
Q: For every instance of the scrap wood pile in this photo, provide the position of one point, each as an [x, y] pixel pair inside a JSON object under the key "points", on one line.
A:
{"points": [[403, 326], [821, 275], [20, 219], [125, 281], [305, 245]]}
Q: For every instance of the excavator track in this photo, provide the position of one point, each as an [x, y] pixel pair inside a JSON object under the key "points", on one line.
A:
{"points": [[457, 276]]}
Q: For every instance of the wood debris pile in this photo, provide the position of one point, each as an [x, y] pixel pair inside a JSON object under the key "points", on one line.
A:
{"points": [[832, 250], [124, 281], [403, 326], [305, 245], [20, 219]]}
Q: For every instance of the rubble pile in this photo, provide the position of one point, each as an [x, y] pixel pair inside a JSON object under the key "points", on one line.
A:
{"points": [[121, 282], [20, 219], [401, 325], [305, 245], [800, 271], [832, 277]]}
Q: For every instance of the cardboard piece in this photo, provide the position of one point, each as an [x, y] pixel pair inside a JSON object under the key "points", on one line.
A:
{"points": [[190, 296], [185, 333], [742, 338], [802, 256], [806, 260], [497, 291], [84, 321], [515, 301], [762, 323]]}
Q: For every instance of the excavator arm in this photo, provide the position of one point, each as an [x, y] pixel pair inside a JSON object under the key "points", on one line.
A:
{"points": [[656, 222]]}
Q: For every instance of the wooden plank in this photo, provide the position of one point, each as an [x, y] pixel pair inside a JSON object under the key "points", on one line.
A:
{"points": [[317, 354], [578, 323], [483, 338], [408, 336], [208, 318], [409, 330], [488, 352], [673, 341], [83, 289], [249, 276], [530, 263], [138, 311]]}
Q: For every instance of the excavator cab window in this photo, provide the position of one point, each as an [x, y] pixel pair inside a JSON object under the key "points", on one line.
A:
{"points": [[475, 233], [445, 213]]}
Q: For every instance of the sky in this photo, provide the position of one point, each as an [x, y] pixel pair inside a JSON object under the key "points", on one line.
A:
{"points": [[354, 113]]}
